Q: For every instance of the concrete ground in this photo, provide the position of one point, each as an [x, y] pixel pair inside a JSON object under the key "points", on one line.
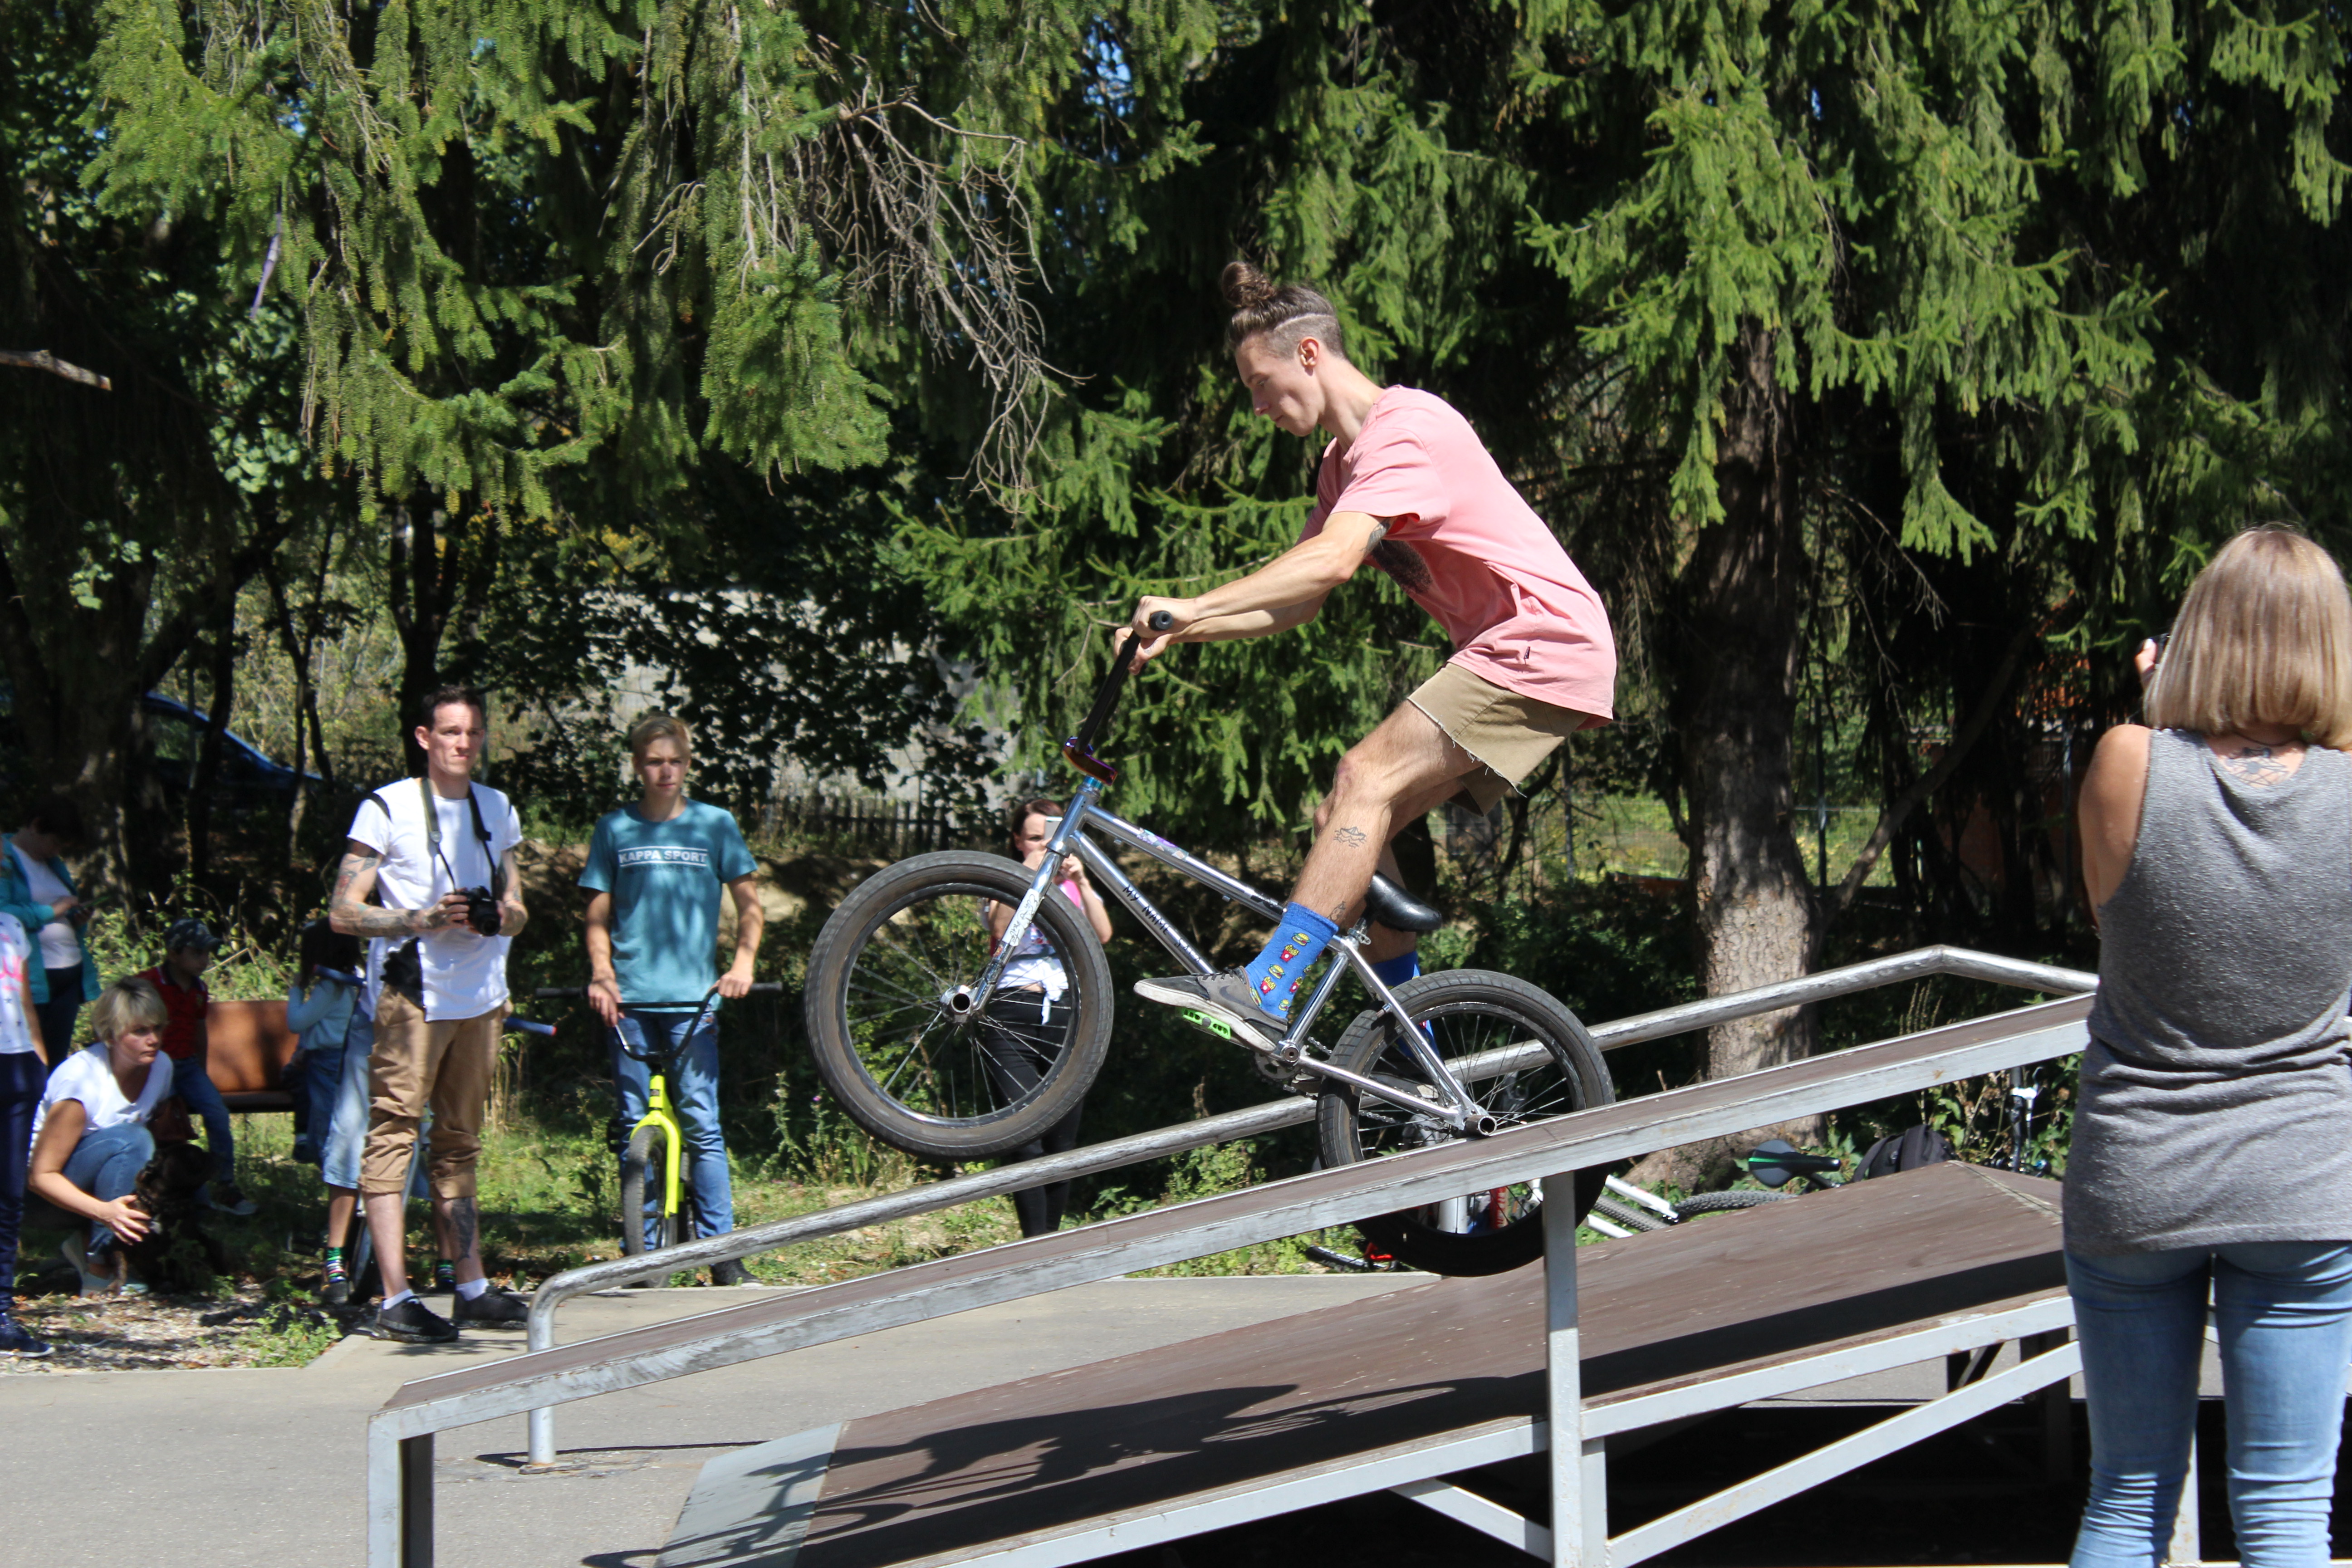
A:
{"points": [[266, 1467]]}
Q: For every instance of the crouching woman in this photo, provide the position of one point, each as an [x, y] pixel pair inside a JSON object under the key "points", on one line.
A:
{"points": [[90, 1138]]}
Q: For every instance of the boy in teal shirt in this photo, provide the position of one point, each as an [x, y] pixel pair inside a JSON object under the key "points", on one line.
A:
{"points": [[653, 876]]}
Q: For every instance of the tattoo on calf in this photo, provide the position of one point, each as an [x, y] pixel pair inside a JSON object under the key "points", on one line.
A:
{"points": [[1353, 838], [463, 1224]]}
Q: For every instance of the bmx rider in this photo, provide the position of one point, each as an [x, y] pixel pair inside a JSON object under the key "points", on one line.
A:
{"points": [[1405, 484]]}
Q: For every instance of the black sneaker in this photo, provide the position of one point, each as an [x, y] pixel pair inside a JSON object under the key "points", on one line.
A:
{"points": [[1227, 997], [730, 1271], [495, 1307], [412, 1323], [18, 1340]]}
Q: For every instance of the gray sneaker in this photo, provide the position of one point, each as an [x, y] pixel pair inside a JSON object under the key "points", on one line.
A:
{"points": [[1227, 997]]}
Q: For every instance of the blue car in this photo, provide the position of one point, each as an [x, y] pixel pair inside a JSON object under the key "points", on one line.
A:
{"points": [[176, 734]]}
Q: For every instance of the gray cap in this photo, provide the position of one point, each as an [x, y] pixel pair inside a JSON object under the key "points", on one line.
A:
{"points": [[191, 935]]}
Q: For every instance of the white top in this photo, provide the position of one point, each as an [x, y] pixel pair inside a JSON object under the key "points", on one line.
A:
{"points": [[60, 947], [465, 975], [15, 953], [88, 1076]]}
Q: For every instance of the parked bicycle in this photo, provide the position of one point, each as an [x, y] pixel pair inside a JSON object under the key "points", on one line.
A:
{"points": [[900, 1021], [652, 1160], [1624, 1209]]}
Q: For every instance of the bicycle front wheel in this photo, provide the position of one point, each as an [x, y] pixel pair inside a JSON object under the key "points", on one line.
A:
{"points": [[908, 1046], [643, 1166], [1464, 1013]]}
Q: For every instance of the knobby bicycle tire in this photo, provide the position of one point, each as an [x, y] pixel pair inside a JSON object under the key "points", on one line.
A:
{"points": [[1467, 1011], [643, 1165], [1731, 1200], [909, 1049]]}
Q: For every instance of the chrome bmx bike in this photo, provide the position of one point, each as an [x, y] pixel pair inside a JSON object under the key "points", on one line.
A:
{"points": [[914, 1035]]}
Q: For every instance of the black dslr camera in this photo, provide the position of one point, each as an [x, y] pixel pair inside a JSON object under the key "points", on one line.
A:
{"points": [[482, 911]]}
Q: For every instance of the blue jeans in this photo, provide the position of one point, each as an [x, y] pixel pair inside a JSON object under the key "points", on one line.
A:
{"points": [[2284, 1312], [694, 1097], [189, 1082], [106, 1164]]}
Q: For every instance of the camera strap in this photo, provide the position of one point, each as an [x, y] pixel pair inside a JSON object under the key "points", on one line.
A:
{"points": [[433, 834]]}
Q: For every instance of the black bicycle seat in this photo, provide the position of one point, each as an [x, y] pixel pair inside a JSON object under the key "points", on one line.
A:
{"points": [[1394, 908]]}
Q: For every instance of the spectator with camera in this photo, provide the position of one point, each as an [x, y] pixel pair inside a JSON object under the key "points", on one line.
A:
{"points": [[90, 1137], [35, 888], [179, 980], [433, 848], [654, 875]]}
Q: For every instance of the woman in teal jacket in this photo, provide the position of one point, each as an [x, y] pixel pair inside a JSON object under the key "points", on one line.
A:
{"points": [[35, 888]]}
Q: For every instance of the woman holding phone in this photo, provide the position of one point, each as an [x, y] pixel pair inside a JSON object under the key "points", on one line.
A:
{"points": [[2218, 850]]}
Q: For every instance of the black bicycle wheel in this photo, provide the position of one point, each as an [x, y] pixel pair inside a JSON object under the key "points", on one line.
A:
{"points": [[1464, 1013], [912, 1052], [643, 1165], [1729, 1200]]}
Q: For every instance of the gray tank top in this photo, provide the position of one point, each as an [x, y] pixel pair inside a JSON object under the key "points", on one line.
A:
{"points": [[2216, 1096]]}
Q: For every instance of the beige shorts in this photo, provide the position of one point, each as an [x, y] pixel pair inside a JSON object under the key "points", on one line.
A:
{"points": [[445, 1063], [1504, 730]]}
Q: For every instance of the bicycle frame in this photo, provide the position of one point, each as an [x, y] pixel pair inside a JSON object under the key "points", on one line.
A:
{"points": [[659, 1113], [1085, 810]]}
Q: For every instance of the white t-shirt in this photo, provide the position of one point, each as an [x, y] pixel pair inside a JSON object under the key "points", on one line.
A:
{"points": [[15, 953], [88, 1076], [60, 947], [465, 975]]}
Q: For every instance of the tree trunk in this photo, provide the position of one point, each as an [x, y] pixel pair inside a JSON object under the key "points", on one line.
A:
{"points": [[1738, 616], [422, 580], [206, 785]]}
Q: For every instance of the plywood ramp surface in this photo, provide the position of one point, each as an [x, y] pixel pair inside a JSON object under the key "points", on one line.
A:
{"points": [[939, 1481]]}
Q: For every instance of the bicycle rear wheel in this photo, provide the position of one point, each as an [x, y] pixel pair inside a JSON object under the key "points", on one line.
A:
{"points": [[1464, 1013], [643, 1167], [907, 1045]]}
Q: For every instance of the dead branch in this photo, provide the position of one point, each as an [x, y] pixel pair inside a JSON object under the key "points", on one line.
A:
{"points": [[42, 359]]}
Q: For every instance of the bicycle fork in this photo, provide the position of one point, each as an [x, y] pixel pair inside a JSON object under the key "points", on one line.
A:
{"points": [[658, 1113]]}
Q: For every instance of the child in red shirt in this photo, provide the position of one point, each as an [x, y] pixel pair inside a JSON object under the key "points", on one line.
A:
{"points": [[188, 949]]}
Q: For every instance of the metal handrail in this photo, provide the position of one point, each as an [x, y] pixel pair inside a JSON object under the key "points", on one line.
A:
{"points": [[1826, 984], [400, 1436]]}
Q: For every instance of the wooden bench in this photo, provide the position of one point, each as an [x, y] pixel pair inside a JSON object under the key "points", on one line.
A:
{"points": [[251, 1046]]}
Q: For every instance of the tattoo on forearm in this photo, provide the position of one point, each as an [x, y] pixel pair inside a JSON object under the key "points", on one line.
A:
{"points": [[2255, 764], [464, 1224], [1353, 838]]}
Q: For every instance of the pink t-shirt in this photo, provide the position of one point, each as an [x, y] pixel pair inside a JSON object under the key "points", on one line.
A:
{"points": [[1472, 554]]}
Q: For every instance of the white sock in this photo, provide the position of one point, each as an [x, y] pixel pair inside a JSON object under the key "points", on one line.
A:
{"points": [[395, 1301], [472, 1290]]}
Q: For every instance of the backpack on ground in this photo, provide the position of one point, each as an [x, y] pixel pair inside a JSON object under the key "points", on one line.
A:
{"points": [[1905, 1151]]}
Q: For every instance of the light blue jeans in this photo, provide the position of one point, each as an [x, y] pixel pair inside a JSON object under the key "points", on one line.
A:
{"points": [[2283, 1310], [106, 1164], [346, 1134], [694, 1097]]}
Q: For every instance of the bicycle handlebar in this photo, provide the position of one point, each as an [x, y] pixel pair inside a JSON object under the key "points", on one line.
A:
{"points": [[1078, 751]]}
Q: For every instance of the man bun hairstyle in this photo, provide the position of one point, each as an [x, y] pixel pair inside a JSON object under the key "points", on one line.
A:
{"points": [[659, 727], [1281, 313], [429, 706]]}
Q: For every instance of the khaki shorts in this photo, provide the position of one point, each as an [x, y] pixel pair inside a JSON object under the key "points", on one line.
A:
{"points": [[445, 1063], [1506, 732]]}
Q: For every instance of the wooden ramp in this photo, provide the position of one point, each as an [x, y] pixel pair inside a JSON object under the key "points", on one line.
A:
{"points": [[1401, 1390]]}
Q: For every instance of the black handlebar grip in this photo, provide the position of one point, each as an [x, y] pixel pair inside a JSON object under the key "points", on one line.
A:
{"points": [[1106, 695], [1161, 620]]}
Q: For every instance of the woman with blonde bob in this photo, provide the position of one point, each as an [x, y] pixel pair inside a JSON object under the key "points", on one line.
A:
{"points": [[90, 1140], [2217, 843]]}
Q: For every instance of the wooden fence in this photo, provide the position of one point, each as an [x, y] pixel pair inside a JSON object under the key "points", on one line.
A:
{"points": [[865, 823]]}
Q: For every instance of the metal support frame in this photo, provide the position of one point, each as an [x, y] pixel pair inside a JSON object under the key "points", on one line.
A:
{"points": [[1549, 1150], [1957, 962]]}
